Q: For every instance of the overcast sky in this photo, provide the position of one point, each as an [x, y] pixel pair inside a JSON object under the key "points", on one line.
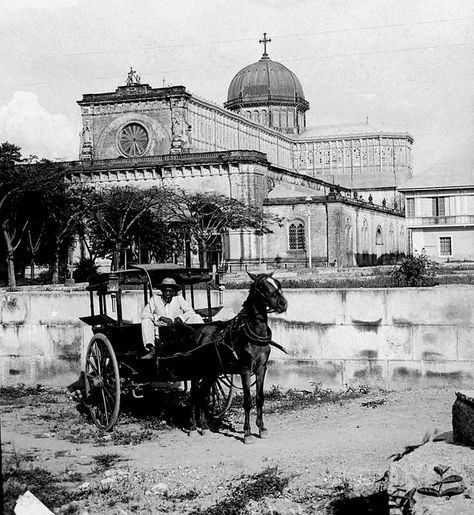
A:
{"points": [[406, 64]]}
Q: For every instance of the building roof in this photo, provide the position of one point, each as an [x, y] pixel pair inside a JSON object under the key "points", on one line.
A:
{"points": [[444, 175], [347, 130], [266, 82]]}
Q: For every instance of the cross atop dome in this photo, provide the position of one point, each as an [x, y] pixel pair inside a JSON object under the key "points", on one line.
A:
{"points": [[265, 41]]}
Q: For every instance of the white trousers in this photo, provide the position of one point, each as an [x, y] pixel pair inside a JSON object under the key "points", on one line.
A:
{"points": [[150, 330]]}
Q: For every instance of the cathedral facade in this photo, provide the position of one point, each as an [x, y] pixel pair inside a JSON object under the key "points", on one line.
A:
{"points": [[334, 188]]}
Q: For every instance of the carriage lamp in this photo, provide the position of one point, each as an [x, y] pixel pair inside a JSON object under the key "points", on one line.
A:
{"points": [[113, 289]]}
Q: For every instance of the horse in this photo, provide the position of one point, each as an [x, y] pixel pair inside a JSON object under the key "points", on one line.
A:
{"points": [[241, 345]]}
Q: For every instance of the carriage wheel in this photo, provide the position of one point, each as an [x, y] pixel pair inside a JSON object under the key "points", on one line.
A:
{"points": [[220, 396], [102, 382]]}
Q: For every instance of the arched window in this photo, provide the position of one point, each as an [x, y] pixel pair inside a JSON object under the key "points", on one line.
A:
{"points": [[297, 236], [365, 236], [379, 236], [391, 239], [256, 116], [263, 117]]}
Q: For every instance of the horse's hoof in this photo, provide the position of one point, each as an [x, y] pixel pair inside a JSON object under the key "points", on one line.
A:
{"points": [[204, 432], [263, 433], [192, 432], [249, 439]]}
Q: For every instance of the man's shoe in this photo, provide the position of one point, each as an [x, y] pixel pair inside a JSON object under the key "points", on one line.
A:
{"points": [[151, 354]]}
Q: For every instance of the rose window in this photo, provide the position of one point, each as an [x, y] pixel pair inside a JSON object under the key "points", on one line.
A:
{"points": [[133, 140]]}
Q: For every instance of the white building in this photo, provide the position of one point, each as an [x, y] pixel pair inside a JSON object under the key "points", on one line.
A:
{"points": [[440, 215]]}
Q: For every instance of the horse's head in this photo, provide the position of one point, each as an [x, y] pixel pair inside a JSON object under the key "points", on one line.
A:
{"points": [[269, 291]]}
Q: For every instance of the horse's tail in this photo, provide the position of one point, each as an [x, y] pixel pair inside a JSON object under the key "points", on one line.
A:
{"points": [[278, 346]]}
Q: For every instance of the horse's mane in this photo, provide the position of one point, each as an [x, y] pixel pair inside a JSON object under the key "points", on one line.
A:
{"points": [[248, 301]]}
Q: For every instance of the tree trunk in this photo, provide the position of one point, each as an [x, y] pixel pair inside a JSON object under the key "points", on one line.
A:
{"points": [[55, 275], [32, 267], [115, 265], [10, 258], [203, 254]]}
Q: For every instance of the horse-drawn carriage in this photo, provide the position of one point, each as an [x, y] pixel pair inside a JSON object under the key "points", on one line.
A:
{"points": [[208, 354], [113, 364]]}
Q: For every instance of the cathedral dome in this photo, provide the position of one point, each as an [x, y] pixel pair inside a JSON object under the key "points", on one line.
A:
{"points": [[264, 81], [267, 92]]}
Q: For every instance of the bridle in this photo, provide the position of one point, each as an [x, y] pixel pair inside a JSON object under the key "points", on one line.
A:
{"points": [[265, 297]]}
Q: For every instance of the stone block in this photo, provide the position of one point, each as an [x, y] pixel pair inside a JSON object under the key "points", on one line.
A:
{"points": [[434, 343], [417, 470], [301, 374], [365, 306], [404, 372], [465, 342], [343, 342], [463, 418], [370, 372], [396, 342]]}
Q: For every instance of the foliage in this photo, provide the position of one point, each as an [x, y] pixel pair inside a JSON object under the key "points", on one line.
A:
{"points": [[19, 476], [444, 486], [85, 268], [206, 216], [414, 270], [266, 483], [119, 218], [24, 208]]}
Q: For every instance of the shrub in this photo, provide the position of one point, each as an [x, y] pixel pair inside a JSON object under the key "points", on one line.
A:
{"points": [[85, 268], [414, 270]]}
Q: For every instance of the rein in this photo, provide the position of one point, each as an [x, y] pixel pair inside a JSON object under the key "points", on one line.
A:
{"points": [[252, 336]]}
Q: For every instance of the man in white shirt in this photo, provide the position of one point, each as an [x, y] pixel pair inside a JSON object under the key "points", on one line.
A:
{"points": [[167, 309]]}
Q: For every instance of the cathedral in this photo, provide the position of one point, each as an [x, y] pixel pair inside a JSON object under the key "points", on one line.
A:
{"points": [[334, 188]]}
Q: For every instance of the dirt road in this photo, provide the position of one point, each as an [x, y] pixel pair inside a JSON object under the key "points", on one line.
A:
{"points": [[313, 455]]}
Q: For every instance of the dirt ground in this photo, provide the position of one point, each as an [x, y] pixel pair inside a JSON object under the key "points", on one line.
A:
{"points": [[318, 454]]}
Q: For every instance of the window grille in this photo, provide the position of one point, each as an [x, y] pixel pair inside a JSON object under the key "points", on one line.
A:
{"points": [[438, 206], [297, 236], [445, 246], [410, 206]]}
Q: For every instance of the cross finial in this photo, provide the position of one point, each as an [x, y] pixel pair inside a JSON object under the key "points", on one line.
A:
{"points": [[265, 41]]}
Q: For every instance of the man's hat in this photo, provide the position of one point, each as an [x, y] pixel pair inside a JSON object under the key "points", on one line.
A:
{"points": [[168, 282]]}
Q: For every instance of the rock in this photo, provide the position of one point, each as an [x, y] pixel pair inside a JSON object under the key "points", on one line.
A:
{"points": [[27, 504], [463, 418], [108, 481], [160, 489], [85, 486], [417, 470]]}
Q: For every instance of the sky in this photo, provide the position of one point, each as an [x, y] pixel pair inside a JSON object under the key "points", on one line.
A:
{"points": [[406, 65]]}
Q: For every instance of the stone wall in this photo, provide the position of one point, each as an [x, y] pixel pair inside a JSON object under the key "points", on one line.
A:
{"points": [[385, 337]]}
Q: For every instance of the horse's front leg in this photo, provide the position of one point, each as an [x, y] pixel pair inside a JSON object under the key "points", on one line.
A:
{"points": [[194, 405], [205, 388], [260, 379], [245, 375]]}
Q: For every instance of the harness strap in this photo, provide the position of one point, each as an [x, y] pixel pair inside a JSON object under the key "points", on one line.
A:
{"points": [[253, 336]]}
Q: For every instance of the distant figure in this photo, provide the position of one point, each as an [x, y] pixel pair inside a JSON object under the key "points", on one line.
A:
{"points": [[167, 309]]}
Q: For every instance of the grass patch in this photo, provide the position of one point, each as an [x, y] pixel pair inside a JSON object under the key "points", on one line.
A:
{"points": [[19, 476], [279, 401], [106, 460], [267, 483]]}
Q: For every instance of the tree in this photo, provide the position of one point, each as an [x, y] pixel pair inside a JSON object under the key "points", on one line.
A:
{"points": [[118, 216], [206, 216], [67, 207], [20, 182]]}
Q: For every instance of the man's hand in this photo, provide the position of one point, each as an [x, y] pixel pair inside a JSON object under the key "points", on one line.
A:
{"points": [[178, 320], [166, 320]]}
